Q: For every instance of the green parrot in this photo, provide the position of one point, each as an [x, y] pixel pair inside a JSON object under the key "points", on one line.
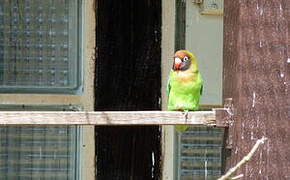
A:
{"points": [[184, 85]]}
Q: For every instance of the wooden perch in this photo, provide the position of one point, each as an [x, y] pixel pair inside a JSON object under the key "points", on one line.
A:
{"points": [[107, 118]]}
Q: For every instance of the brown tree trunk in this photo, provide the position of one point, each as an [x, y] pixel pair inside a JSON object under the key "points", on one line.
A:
{"points": [[256, 76]]}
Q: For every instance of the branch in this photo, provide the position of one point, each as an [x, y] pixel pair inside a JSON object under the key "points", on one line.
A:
{"points": [[244, 160], [237, 177]]}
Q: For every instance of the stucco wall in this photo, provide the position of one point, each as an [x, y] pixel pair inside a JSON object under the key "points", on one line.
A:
{"points": [[204, 37]]}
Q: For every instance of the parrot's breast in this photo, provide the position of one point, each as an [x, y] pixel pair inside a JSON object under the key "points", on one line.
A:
{"points": [[185, 77], [185, 91]]}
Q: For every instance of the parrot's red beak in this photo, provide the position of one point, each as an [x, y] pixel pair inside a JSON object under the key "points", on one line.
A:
{"points": [[177, 63]]}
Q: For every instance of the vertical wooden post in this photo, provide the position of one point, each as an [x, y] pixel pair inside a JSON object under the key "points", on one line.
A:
{"points": [[256, 76]]}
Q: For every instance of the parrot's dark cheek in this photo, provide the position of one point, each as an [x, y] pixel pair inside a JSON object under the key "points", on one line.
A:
{"points": [[185, 66]]}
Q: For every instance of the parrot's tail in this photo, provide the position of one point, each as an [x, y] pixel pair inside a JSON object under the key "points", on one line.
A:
{"points": [[181, 128]]}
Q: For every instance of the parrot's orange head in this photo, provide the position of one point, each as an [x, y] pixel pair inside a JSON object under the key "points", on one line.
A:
{"points": [[182, 60]]}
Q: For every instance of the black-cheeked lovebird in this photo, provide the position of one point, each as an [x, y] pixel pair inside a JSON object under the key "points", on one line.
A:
{"points": [[184, 85]]}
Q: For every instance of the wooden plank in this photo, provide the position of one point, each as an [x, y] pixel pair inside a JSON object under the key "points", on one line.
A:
{"points": [[106, 118]]}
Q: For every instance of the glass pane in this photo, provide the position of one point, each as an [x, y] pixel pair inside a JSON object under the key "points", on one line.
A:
{"points": [[39, 152], [39, 45], [199, 153]]}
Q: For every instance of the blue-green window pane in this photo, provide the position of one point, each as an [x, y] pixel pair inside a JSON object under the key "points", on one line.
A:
{"points": [[39, 45], [38, 153], [199, 153]]}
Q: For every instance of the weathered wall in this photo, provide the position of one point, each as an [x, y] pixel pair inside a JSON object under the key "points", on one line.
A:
{"points": [[204, 37], [256, 76]]}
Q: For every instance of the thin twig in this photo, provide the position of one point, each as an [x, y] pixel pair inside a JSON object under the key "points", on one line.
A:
{"points": [[237, 177], [244, 160]]}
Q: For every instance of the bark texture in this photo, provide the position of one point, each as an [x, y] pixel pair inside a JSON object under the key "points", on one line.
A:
{"points": [[256, 76]]}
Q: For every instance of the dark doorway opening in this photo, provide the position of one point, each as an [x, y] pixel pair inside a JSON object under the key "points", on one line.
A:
{"points": [[128, 77]]}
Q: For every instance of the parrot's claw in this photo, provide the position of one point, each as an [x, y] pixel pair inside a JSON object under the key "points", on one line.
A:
{"points": [[185, 115]]}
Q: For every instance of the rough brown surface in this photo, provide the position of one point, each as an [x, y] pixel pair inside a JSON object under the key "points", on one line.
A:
{"points": [[256, 76]]}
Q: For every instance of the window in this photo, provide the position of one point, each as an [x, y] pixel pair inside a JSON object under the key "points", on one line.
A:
{"points": [[40, 46], [199, 152], [39, 152]]}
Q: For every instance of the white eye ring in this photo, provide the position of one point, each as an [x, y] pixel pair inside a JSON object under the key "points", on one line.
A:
{"points": [[185, 58]]}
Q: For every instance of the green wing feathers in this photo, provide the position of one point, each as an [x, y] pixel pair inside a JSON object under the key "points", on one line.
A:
{"points": [[168, 87]]}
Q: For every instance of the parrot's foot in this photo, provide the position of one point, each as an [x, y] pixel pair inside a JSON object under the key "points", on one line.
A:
{"points": [[185, 115]]}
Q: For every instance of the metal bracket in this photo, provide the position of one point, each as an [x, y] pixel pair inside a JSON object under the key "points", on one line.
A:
{"points": [[224, 115], [224, 118]]}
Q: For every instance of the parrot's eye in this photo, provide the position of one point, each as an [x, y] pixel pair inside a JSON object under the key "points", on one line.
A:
{"points": [[185, 58]]}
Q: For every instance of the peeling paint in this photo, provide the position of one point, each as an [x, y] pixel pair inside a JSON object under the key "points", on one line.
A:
{"points": [[252, 135], [261, 11], [153, 165], [243, 127], [281, 11], [236, 151], [254, 99]]}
